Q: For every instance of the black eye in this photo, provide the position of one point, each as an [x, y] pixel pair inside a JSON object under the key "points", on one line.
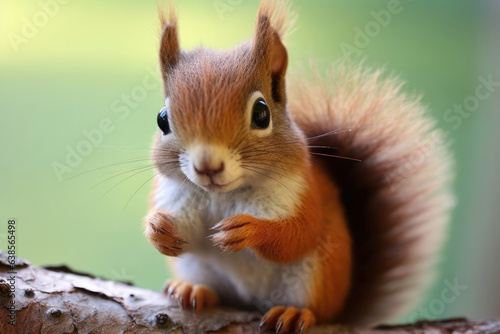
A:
{"points": [[163, 121], [261, 116]]}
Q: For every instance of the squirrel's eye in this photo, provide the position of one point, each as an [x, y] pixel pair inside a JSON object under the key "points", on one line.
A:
{"points": [[261, 116], [163, 121]]}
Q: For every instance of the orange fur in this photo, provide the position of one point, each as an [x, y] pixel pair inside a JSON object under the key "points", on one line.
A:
{"points": [[161, 233], [333, 256]]}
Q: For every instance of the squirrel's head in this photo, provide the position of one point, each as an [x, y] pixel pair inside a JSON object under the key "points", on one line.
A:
{"points": [[225, 124]]}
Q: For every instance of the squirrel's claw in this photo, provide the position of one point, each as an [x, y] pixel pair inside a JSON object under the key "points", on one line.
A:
{"points": [[235, 233], [191, 296], [229, 242], [287, 320]]}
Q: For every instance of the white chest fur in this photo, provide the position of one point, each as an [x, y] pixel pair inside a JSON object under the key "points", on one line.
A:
{"points": [[242, 277]]}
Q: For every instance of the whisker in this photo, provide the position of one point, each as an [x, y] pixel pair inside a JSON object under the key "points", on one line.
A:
{"points": [[272, 171], [276, 148], [188, 183], [279, 152], [284, 153], [107, 166], [339, 131], [327, 147], [142, 185], [129, 148], [329, 133], [336, 156], [142, 171], [272, 178], [126, 172], [267, 146], [273, 163], [116, 185]]}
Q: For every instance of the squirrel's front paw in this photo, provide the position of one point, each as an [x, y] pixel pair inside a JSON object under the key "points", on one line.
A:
{"points": [[161, 233], [235, 233]]}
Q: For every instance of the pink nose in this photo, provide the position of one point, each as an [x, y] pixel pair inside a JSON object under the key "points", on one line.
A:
{"points": [[208, 171]]}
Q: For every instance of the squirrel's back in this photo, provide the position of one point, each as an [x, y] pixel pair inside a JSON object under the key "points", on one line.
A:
{"points": [[396, 197]]}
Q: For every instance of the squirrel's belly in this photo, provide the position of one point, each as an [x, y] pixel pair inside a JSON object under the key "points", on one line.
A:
{"points": [[242, 279]]}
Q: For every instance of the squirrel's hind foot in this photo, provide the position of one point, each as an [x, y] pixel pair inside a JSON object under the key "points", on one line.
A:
{"points": [[191, 296], [287, 320]]}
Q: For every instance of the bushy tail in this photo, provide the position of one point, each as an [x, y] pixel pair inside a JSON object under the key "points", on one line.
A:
{"points": [[397, 198]]}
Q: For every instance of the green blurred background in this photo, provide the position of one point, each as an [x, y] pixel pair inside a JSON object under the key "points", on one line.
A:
{"points": [[66, 71]]}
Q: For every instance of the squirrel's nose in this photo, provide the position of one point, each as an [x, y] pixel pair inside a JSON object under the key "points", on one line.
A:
{"points": [[207, 170]]}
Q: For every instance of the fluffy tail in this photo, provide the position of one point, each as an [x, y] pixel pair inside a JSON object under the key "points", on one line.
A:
{"points": [[397, 198]]}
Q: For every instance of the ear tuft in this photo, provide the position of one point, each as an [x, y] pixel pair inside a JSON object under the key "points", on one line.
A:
{"points": [[278, 13], [167, 15], [169, 40]]}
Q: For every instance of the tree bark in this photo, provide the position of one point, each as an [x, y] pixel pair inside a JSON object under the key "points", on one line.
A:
{"points": [[58, 300]]}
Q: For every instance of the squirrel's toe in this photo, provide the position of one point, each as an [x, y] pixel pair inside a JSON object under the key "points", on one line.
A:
{"points": [[287, 320], [191, 296]]}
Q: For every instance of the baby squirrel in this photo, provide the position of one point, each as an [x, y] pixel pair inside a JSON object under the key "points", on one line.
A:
{"points": [[256, 204]]}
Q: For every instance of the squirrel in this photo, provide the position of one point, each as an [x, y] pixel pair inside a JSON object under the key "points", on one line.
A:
{"points": [[311, 201]]}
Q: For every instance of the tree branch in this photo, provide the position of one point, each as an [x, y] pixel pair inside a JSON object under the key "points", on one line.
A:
{"points": [[58, 300]]}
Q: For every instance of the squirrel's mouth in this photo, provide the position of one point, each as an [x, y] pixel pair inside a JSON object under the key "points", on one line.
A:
{"points": [[212, 186]]}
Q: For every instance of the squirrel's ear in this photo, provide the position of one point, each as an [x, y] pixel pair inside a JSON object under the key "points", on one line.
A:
{"points": [[271, 56], [169, 43]]}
